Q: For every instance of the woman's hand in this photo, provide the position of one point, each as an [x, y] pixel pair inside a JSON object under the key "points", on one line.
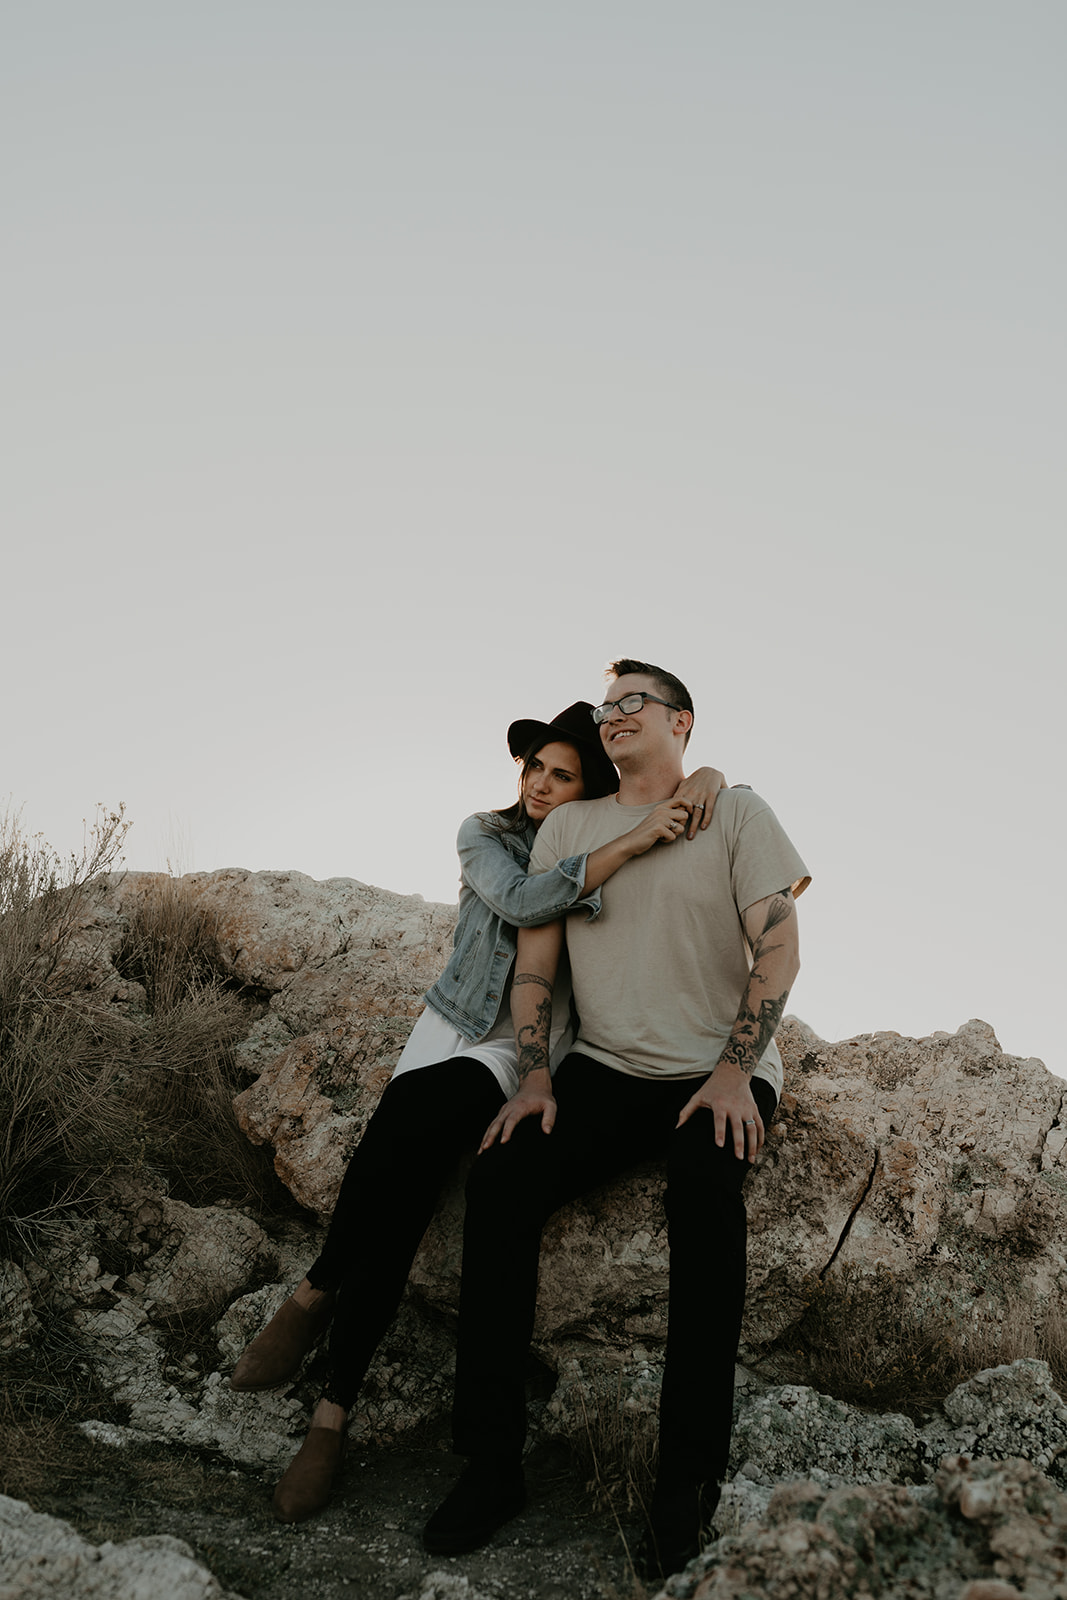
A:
{"points": [[699, 793], [530, 1101], [663, 825]]}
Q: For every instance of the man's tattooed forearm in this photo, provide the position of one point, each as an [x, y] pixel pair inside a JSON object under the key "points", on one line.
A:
{"points": [[758, 1019], [532, 1040], [753, 1031]]}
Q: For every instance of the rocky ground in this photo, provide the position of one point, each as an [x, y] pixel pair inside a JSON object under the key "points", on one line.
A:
{"points": [[980, 1530], [367, 1543]]}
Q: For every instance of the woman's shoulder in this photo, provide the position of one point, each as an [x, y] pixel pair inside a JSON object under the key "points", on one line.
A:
{"points": [[485, 826]]}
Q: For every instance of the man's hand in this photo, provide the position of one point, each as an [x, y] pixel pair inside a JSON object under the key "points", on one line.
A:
{"points": [[698, 793], [727, 1094], [534, 1099]]}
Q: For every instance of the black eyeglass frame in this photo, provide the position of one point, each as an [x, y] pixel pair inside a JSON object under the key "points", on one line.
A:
{"points": [[602, 713]]}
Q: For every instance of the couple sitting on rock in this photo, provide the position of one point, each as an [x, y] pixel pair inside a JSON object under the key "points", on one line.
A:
{"points": [[681, 960]]}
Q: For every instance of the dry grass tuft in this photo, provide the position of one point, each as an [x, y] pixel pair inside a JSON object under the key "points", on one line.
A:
{"points": [[616, 1450], [168, 945], [1022, 1334], [45, 1390], [186, 1075], [84, 1089], [61, 1121], [862, 1341]]}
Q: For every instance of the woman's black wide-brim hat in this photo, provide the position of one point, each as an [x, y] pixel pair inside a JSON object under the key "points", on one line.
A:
{"points": [[576, 726]]}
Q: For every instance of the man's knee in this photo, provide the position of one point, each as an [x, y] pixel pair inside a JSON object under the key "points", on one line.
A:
{"points": [[703, 1176]]}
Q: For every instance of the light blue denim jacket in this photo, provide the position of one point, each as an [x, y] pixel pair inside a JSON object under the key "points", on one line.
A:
{"points": [[495, 898]]}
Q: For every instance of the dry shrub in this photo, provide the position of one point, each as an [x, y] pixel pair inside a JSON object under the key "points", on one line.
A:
{"points": [[1022, 1333], [61, 1119], [41, 899], [46, 1388], [84, 1089], [169, 943], [186, 1075], [182, 1091], [616, 1449], [863, 1341]]}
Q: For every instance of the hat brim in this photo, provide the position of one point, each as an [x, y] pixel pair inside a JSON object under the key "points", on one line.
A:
{"points": [[522, 735]]}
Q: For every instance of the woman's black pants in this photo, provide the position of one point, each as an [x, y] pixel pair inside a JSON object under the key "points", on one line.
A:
{"points": [[425, 1121]]}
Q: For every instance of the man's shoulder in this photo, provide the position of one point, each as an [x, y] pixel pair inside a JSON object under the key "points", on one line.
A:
{"points": [[582, 813], [571, 820], [739, 804]]}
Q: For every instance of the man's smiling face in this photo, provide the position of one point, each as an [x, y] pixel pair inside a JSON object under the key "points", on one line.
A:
{"points": [[646, 734]]}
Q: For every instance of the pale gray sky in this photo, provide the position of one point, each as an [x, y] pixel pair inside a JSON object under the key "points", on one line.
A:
{"points": [[375, 374]]}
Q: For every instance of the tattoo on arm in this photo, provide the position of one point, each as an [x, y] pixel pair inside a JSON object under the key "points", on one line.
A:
{"points": [[753, 1030], [532, 1040], [757, 1022], [779, 910]]}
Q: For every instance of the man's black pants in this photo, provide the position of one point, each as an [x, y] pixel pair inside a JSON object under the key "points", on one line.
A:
{"points": [[607, 1121]]}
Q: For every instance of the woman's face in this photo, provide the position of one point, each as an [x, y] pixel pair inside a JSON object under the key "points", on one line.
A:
{"points": [[553, 776]]}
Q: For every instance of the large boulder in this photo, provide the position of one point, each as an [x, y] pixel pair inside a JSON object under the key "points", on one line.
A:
{"points": [[940, 1161]]}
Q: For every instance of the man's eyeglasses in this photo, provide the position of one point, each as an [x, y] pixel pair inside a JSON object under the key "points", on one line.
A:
{"points": [[629, 705]]}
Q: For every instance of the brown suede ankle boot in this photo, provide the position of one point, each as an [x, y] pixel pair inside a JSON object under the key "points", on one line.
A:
{"points": [[274, 1356], [305, 1485]]}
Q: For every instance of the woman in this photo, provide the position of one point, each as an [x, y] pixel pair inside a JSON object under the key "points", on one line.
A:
{"points": [[456, 1071]]}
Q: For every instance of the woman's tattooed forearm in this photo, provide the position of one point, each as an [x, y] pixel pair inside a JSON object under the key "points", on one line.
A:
{"points": [[532, 1041], [532, 1038]]}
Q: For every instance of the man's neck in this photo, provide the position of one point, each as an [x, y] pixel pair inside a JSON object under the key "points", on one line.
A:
{"points": [[649, 785]]}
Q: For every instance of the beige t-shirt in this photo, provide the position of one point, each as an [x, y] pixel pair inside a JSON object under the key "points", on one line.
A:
{"points": [[658, 976]]}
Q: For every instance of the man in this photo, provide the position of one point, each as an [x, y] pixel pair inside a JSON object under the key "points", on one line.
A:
{"points": [[681, 973]]}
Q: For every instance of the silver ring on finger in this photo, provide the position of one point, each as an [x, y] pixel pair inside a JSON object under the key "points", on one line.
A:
{"points": [[751, 1122]]}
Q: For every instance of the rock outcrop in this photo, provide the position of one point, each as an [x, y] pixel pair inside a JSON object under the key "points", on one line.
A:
{"points": [[42, 1558], [940, 1159], [940, 1162], [936, 1164], [982, 1530]]}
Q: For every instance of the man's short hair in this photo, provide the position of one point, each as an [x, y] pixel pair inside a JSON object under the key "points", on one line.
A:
{"points": [[671, 688]]}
